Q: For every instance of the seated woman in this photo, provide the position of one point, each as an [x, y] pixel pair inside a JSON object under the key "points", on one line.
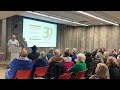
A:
{"points": [[67, 57], [34, 54], [105, 56], [113, 70], [41, 62], [23, 63], [98, 59], [79, 66], [68, 61], [56, 65], [50, 53], [102, 72], [74, 55]]}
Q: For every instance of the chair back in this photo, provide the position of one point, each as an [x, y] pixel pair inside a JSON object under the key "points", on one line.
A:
{"points": [[23, 74], [40, 71], [80, 75], [65, 76]]}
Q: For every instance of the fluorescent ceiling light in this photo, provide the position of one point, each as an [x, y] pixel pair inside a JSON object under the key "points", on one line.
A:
{"points": [[56, 18], [88, 14]]}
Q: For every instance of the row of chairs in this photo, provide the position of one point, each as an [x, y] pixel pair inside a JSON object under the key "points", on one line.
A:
{"points": [[25, 74], [42, 71], [80, 75]]}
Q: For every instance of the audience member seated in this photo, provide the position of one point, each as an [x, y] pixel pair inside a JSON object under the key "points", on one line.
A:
{"points": [[67, 50], [98, 59], [118, 53], [94, 53], [74, 55], [111, 53], [114, 54], [41, 62], [23, 63], [113, 70], [50, 53], [79, 66], [106, 55], [67, 57], [102, 72], [68, 61], [89, 61], [118, 65], [33, 55], [56, 65], [100, 50], [118, 56]]}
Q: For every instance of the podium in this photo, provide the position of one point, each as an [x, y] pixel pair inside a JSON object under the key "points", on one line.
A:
{"points": [[14, 52]]}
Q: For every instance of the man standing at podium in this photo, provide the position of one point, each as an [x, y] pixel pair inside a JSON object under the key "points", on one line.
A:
{"points": [[13, 41]]}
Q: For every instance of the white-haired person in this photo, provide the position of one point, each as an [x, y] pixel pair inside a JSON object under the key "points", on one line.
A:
{"points": [[79, 66], [56, 65], [42, 61], [101, 72], [57, 57], [22, 63]]}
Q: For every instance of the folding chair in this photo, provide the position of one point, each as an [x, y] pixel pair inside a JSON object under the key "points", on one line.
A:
{"points": [[65, 76], [80, 75], [40, 72], [23, 74]]}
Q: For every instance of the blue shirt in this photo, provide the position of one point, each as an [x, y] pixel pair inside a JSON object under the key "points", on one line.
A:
{"points": [[73, 58], [49, 55], [18, 64]]}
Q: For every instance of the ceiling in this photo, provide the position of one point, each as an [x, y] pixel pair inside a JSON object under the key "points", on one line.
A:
{"points": [[113, 16], [5, 14]]}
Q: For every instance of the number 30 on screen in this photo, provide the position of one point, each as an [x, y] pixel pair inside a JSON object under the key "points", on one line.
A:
{"points": [[47, 32]]}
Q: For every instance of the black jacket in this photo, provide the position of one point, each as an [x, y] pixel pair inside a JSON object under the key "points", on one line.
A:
{"points": [[33, 55], [39, 63], [55, 69], [89, 62], [96, 61], [114, 72]]}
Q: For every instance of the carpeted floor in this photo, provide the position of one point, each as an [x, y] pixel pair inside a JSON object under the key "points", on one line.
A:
{"points": [[2, 72], [3, 69]]}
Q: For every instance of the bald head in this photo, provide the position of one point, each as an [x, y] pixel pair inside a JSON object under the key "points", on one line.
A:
{"points": [[23, 53], [13, 37]]}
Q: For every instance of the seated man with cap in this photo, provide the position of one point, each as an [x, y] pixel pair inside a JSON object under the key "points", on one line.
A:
{"points": [[34, 54]]}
